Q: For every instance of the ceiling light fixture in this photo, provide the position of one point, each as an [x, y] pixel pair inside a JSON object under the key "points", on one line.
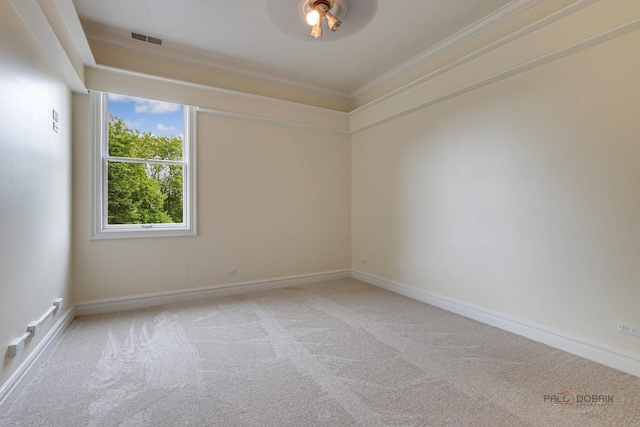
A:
{"points": [[313, 17], [317, 10]]}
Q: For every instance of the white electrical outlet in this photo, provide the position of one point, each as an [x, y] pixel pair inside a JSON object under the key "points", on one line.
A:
{"points": [[629, 329], [231, 272], [401, 271]]}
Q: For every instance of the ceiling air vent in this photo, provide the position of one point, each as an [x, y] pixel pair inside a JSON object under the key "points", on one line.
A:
{"points": [[139, 36], [149, 39]]}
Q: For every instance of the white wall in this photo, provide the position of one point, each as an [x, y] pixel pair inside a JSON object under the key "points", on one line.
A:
{"points": [[519, 197], [273, 201], [35, 187]]}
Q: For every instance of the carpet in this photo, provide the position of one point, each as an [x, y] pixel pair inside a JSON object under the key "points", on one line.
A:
{"points": [[339, 353]]}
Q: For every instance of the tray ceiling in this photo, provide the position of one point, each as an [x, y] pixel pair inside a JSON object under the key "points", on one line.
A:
{"points": [[271, 37]]}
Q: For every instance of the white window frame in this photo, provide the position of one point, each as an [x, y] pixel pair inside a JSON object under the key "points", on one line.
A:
{"points": [[100, 229]]}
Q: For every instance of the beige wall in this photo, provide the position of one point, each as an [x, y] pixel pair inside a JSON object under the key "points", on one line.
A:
{"points": [[212, 77], [520, 197], [213, 98], [35, 187], [273, 201]]}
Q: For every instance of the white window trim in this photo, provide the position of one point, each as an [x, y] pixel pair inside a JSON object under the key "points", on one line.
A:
{"points": [[99, 227]]}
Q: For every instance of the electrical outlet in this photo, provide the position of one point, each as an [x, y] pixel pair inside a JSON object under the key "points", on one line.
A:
{"points": [[628, 329], [231, 272], [363, 261], [401, 271]]}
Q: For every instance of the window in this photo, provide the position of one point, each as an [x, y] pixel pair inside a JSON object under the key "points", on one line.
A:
{"points": [[144, 167]]}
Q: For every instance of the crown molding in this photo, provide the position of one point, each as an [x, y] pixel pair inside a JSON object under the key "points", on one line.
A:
{"points": [[509, 10], [594, 40], [191, 56], [543, 22]]}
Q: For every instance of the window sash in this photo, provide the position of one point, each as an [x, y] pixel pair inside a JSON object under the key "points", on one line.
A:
{"points": [[101, 229], [166, 225], [150, 161]]}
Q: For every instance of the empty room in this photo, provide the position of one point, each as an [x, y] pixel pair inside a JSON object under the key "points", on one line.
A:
{"points": [[320, 213]]}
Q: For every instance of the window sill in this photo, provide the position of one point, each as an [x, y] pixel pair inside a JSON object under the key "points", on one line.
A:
{"points": [[110, 234]]}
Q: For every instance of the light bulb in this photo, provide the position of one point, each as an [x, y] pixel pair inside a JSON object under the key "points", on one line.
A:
{"points": [[333, 22], [313, 17], [316, 31]]}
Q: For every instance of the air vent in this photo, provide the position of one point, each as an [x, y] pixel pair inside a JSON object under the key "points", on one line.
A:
{"points": [[138, 36], [149, 39]]}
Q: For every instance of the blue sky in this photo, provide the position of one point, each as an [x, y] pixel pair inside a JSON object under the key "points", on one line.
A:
{"points": [[160, 118]]}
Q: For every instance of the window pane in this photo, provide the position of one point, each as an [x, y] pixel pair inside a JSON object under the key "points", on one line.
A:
{"points": [[144, 128], [143, 193]]}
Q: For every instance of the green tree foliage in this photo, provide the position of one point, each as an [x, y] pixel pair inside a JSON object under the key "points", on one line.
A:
{"points": [[143, 193]]}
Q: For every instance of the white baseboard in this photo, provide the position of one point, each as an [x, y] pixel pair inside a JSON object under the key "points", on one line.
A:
{"points": [[606, 355], [12, 387], [159, 298]]}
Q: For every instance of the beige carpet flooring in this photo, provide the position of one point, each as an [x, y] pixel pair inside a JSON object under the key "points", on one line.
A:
{"points": [[340, 353]]}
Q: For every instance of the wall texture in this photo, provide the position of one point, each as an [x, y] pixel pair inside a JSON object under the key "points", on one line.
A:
{"points": [[35, 187], [273, 201], [519, 197]]}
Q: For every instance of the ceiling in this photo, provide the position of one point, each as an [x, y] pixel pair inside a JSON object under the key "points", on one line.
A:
{"points": [[271, 37]]}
